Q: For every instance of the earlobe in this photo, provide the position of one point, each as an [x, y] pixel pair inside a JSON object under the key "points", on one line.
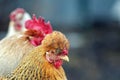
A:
{"points": [[48, 57]]}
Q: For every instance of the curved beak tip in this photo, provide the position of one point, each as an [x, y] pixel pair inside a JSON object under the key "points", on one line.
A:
{"points": [[66, 58]]}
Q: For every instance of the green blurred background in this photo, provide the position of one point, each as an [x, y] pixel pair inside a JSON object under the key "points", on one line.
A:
{"points": [[92, 26]]}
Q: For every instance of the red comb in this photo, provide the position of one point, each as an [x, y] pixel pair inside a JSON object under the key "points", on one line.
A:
{"points": [[15, 12], [40, 26]]}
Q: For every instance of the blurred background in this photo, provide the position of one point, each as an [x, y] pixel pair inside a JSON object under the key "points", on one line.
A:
{"points": [[92, 26]]}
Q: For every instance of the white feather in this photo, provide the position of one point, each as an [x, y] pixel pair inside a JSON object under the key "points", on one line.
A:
{"points": [[11, 29]]}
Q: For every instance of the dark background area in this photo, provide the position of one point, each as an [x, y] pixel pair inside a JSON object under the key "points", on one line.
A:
{"points": [[92, 26]]}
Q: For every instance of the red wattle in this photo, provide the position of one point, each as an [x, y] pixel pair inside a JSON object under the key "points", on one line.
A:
{"points": [[18, 27], [58, 63]]}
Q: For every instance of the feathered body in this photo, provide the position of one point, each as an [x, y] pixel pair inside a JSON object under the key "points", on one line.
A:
{"points": [[14, 48], [1, 78], [11, 51], [37, 66], [18, 17]]}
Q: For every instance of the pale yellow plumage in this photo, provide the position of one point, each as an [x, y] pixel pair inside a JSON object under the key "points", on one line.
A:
{"points": [[35, 66]]}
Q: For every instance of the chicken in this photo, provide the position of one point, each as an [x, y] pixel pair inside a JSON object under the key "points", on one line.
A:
{"points": [[17, 21], [2, 78], [14, 48], [45, 61]]}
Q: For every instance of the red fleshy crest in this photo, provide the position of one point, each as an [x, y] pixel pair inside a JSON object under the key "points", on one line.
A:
{"points": [[36, 41], [40, 26]]}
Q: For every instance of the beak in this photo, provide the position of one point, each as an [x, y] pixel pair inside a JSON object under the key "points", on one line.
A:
{"points": [[66, 58]]}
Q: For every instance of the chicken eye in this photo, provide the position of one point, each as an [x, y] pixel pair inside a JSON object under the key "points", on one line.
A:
{"points": [[52, 51], [58, 51]]}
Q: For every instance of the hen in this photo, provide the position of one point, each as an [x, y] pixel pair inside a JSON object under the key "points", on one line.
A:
{"points": [[17, 21], [44, 62], [14, 48]]}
